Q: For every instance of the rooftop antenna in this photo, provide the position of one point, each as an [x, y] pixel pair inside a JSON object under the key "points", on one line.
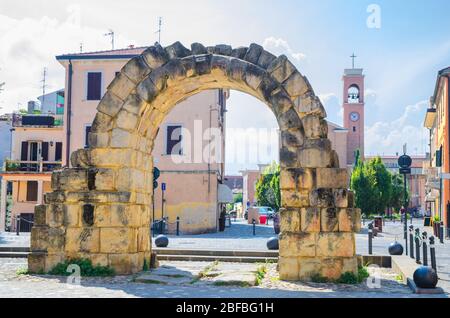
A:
{"points": [[353, 57], [44, 85], [111, 34], [159, 29]]}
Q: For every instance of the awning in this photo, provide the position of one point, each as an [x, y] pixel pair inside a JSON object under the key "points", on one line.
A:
{"points": [[225, 195]]}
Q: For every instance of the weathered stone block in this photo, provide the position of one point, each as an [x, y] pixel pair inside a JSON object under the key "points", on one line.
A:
{"points": [[309, 267], [277, 97], [329, 220], [281, 68], [294, 198], [80, 158], [84, 240], [118, 240], [127, 121], [104, 179], [265, 59], [253, 53], [290, 220], [335, 244], [239, 52], [292, 138], [289, 120], [40, 215], [122, 139], [309, 104], [177, 50], [350, 220], [297, 244], [288, 158], [102, 123], [73, 179], [104, 157], [147, 90], [310, 220], [220, 65], [198, 49], [322, 198], [332, 178], [296, 85], [223, 49], [254, 75], [72, 215], [135, 105], [143, 240], [55, 215], [155, 56], [350, 265], [315, 158], [301, 179], [56, 240], [39, 238], [315, 127], [332, 268], [136, 69], [125, 264], [288, 268], [340, 198], [110, 104]]}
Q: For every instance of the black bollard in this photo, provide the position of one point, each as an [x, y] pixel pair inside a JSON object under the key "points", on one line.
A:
{"points": [[17, 226], [411, 242], [441, 232], [254, 227], [178, 226], [433, 253], [417, 240], [370, 232], [425, 248]]}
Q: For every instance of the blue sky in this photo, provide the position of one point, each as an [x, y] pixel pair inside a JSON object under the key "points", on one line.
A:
{"points": [[400, 59]]}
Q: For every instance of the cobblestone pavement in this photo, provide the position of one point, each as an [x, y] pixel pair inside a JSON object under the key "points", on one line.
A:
{"points": [[13, 285], [238, 237]]}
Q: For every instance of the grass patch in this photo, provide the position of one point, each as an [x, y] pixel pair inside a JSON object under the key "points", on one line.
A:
{"points": [[232, 283], [205, 272], [347, 278], [86, 269], [260, 274], [399, 278], [22, 271]]}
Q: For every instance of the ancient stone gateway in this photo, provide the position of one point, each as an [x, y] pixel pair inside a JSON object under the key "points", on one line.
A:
{"points": [[100, 209]]}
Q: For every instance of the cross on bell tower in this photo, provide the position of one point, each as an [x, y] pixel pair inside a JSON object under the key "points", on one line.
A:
{"points": [[353, 57], [353, 104]]}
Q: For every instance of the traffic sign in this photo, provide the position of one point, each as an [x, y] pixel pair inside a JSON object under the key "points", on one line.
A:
{"points": [[405, 170], [405, 161], [163, 186]]}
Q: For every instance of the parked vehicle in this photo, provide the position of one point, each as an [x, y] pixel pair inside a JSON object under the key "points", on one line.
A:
{"points": [[263, 210]]}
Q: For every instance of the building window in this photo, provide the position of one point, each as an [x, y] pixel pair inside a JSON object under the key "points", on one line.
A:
{"points": [[354, 129], [87, 130], [94, 86], [58, 151], [174, 140], [32, 191]]}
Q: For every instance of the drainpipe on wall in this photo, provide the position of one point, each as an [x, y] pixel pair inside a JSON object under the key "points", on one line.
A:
{"points": [[69, 113]]}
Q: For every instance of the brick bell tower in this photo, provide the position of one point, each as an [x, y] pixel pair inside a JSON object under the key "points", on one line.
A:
{"points": [[353, 105]]}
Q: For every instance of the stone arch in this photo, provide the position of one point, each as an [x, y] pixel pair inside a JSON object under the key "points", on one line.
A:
{"points": [[100, 208]]}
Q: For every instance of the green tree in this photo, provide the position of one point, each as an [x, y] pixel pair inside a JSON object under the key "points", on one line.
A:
{"points": [[382, 184], [361, 183], [238, 198], [268, 187], [397, 199]]}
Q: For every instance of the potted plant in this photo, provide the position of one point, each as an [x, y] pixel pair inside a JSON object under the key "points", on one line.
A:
{"points": [[436, 225]]}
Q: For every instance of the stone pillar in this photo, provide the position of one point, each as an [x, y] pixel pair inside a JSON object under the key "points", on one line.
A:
{"points": [[40, 192], [3, 205]]}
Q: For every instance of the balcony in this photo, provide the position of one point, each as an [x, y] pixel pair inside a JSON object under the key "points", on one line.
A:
{"points": [[14, 166]]}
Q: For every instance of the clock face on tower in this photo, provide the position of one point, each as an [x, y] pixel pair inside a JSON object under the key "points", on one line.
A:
{"points": [[354, 116]]}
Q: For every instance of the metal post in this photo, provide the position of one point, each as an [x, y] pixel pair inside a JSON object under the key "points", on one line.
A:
{"points": [[153, 217], [178, 226], [441, 233], [417, 240], [405, 213], [370, 232], [411, 241], [162, 204], [433, 253], [254, 227], [425, 248], [17, 225]]}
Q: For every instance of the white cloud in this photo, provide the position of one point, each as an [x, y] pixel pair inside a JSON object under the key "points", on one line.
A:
{"points": [[389, 137], [31, 44], [281, 46]]}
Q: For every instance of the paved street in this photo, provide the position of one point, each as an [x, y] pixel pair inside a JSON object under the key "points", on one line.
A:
{"points": [[238, 237]]}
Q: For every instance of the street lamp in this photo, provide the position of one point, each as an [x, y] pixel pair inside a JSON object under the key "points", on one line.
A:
{"points": [[405, 163]]}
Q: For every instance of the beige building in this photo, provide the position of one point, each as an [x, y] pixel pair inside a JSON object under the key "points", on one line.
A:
{"points": [[36, 144], [193, 185]]}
